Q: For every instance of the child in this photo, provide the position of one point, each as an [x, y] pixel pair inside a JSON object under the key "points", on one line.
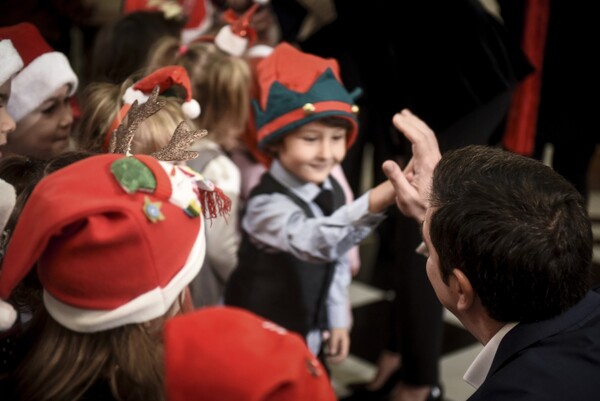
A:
{"points": [[105, 105], [40, 101], [10, 64], [293, 267], [221, 83], [121, 48], [117, 240], [270, 364]]}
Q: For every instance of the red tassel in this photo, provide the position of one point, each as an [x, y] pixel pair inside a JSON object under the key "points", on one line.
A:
{"points": [[214, 203]]}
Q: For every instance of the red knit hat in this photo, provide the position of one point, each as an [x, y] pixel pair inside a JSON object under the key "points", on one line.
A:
{"points": [[10, 61], [297, 88], [164, 78], [44, 72], [230, 354], [115, 239], [235, 37]]}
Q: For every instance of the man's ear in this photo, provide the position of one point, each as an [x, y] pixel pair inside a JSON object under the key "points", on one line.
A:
{"points": [[465, 295]]}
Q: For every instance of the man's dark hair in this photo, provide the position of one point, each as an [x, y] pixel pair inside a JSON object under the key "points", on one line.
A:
{"points": [[518, 230]]}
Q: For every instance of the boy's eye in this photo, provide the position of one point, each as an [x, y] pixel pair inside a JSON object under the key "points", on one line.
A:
{"points": [[339, 137], [309, 138], [50, 109]]}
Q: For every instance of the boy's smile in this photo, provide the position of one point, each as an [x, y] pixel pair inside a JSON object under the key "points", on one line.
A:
{"points": [[311, 151]]}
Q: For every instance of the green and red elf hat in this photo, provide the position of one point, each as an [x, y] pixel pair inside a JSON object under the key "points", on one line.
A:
{"points": [[297, 88]]}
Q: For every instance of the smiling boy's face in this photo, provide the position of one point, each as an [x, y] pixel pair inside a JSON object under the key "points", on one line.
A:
{"points": [[311, 151]]}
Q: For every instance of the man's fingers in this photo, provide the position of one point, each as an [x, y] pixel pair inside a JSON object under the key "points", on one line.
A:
{"points": [[422, 138], [408, 199], [396, 176]]}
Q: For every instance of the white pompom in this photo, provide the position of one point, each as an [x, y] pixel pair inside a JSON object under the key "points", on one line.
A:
{"points": [[8, 316], [131, 95], [261, 2], [191, 108], [230, 43]]}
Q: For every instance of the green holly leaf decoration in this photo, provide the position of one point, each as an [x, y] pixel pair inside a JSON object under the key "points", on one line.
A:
{"points": [[133, 175]]}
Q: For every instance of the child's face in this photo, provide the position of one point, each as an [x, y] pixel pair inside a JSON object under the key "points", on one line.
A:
{"points": [[7, 124], [311, 151], [45, 132]]}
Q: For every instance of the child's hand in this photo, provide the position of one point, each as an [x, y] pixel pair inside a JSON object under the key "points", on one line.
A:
{"points": [[382, 196], [338, 345]]}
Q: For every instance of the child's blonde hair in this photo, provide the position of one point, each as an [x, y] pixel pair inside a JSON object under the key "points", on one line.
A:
{"points": [[101, 105], [220, 83]]}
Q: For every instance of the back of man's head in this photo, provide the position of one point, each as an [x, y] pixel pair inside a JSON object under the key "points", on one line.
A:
{"points": [[518, 230]]}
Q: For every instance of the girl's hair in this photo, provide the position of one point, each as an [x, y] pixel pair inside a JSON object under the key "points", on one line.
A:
{"points": [[220, 83], [101, 104], [121, 48], [63, 365]]}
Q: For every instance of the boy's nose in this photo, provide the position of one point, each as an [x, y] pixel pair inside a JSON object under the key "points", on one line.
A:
{"points": [[325, 149], [66, 117], [7, 124]]}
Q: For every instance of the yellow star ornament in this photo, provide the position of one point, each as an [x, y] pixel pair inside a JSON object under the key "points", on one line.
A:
{"points": [[152, 210]]}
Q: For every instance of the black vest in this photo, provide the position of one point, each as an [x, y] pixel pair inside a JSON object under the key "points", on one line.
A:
{"points": [[276, 285]]}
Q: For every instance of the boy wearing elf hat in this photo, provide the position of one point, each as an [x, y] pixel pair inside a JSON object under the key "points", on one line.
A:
{"points": [[293, 265], [40, 101], [10, 64]]}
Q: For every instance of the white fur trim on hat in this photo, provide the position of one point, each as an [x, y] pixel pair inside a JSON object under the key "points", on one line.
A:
{"points": [[259, 51], [231, 43], [131, 95], [191, 108], [38, 81], [10, 61], [148, 306], [8, 316]]}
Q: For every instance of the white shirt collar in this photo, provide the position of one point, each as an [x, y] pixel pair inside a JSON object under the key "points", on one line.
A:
{"points": [[480, 367], [307, 191]]}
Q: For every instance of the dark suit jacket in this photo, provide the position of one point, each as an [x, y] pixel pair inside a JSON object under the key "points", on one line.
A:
{"points": [[556, 359]]}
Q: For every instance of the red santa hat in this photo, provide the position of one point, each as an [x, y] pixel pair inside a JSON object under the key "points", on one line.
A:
{"points": [[270, 364], [164, 78], [10, 61], [44, 71], [235, 37], [115, 239]]}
